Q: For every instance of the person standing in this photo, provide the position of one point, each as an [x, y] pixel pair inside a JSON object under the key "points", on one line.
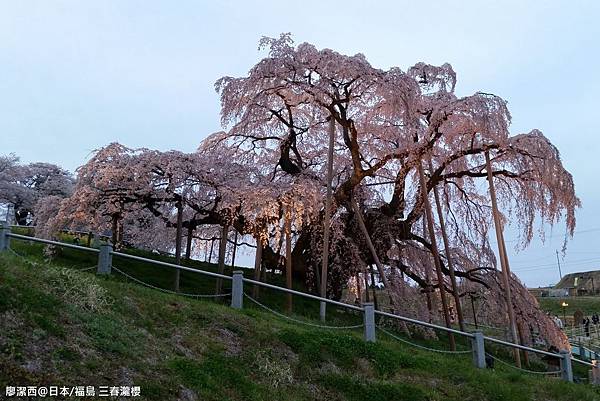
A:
{"points": [[586, 323]]}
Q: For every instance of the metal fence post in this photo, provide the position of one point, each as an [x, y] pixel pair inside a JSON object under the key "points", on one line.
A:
{"points": [[478, 345], [565, 365], [105, 259], [4, 238], [369, 321], [237, 290], [595, 376]]}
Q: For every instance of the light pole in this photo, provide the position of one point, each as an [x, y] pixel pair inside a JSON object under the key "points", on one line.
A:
{"points": [[564, 306]]}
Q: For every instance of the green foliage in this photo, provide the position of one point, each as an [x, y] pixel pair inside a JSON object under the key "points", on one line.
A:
{"points": [[78, 289], [217, 377], [588, 305], [318, 346], [356, 389]]}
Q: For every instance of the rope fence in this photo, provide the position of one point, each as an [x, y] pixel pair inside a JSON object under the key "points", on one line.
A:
{"points": [[321, 326], [441, 351], [18, 255], [36, 264], [510, 365], [169, 291], [478, 339]]}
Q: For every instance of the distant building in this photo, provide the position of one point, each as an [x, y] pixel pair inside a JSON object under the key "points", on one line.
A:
{"points": [[581, 283]]}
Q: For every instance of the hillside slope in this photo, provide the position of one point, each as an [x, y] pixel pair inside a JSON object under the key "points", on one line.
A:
{"points": [[65, 327]]}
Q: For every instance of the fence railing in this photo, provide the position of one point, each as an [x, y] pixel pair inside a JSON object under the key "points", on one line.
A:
{"points": [[477, 339]]}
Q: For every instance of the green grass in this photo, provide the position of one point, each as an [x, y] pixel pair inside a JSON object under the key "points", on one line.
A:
{"points": [[588, 305], [58, 325]]}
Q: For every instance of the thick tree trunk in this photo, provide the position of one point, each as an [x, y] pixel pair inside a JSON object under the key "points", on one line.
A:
{"points": [[114, 229], [120, 236], [222, 249], [188, 246], [299, 261], [367, 237]]}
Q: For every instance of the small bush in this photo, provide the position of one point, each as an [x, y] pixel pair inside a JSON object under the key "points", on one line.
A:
{"points": [[277, 372], [78, 289]]}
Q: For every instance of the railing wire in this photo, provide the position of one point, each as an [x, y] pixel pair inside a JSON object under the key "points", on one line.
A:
{"points": [[169, 291], [33, 263], [300, 321], [16, 236], [535, 372], [441, 351]]}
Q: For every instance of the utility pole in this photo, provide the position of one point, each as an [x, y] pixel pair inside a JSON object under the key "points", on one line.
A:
{"points": [[558, 261]]}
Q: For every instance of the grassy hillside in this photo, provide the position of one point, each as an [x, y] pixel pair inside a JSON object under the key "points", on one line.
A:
{"points": [[63, 326], [588, 305]]}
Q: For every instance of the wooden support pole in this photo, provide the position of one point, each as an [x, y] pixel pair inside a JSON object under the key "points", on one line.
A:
{"points": [[327, 217], [436, 254], [363, 228], [455, 293], [366, 279], [212, 245], [427, 277], [288, 255], [257, 264], [235, 238], [178, 243], [222, 250], [503, 260], [521, 340]]}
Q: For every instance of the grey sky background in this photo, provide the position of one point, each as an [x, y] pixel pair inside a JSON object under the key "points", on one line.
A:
{"points": [[76, 75]]}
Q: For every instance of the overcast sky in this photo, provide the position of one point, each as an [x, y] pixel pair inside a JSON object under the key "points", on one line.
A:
{"points": [[76, 75]]}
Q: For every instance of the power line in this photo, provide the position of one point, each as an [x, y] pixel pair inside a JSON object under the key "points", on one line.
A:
{"points": [[581, 263], [577, 261], [589, 230]]}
